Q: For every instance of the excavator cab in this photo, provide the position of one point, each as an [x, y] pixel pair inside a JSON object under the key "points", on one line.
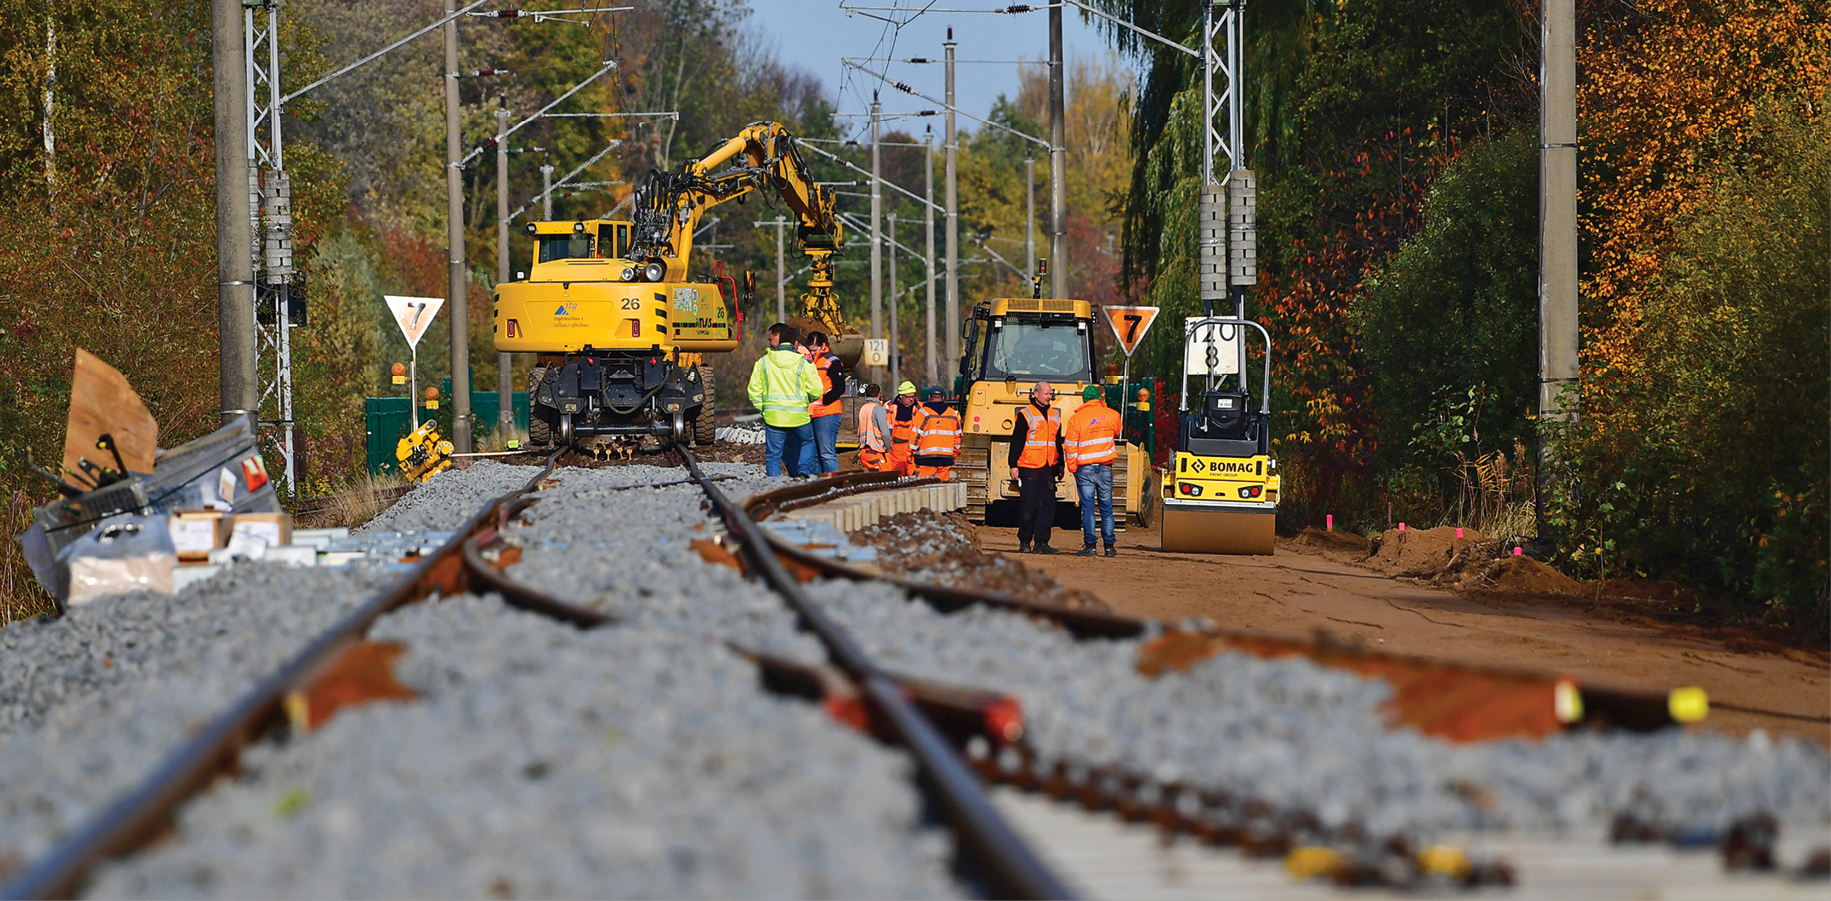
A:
{"points": [[1221, 491]]}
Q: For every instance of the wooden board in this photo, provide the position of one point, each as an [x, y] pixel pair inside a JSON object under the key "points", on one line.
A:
{"points": [[102, 403]]}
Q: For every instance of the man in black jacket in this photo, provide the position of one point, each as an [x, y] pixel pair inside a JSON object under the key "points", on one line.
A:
{"points": [[1036, 463]]}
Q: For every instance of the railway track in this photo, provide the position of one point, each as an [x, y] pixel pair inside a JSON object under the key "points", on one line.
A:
{"points": [[851, 640]]}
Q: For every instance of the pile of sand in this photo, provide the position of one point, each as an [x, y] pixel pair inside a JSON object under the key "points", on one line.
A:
{"points": [[1526, 574], [1423, 553], [1473, 561]]}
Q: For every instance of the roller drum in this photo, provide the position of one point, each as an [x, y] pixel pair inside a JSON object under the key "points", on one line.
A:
{"points": [[1213, 529]]}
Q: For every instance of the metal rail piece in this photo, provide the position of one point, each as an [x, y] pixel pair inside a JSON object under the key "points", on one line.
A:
{"points": [[1006, 862]]}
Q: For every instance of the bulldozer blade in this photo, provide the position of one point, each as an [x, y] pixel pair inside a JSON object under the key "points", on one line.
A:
{"points": [[1217, 530]]}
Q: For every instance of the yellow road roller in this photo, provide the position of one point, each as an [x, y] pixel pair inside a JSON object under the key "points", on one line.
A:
{"points": [[1220, 494]]}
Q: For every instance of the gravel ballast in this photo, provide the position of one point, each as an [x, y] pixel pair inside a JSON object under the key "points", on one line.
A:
{"points": [[596, 542], [544, 761], [450, 498], [1304, 737], [91, 703]]}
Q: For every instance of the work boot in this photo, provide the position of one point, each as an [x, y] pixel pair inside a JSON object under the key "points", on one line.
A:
{"points": [[1111, 551], [1089, 550], [1023, 547], [1042, 549]]}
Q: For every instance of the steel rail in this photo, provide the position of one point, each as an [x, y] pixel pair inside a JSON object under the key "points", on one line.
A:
{"points": [[1005, 861], [141, 814], [1637, 710]]}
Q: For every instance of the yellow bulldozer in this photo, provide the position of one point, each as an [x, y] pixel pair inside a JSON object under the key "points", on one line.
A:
{"points": [[619, 326], [1011, 345]]}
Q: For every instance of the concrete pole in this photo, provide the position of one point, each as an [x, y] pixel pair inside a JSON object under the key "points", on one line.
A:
{"points": [[1030, 215], [456, 301], [546, 192], [896, 367], [240, 383], [505, 378], [953, 213], [877, 235], [928, 211], [781, 273], [1058, 162], [1557, 232], [50, 134]]}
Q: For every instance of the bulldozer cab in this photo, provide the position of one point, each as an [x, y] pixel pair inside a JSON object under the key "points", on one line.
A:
{"points": [[1023, 340]]}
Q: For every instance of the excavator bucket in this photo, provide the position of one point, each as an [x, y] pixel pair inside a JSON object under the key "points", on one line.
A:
{"points": [[847, 344], [1211, 529]]}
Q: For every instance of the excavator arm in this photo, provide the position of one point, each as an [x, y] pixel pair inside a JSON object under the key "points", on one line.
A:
{"points": [[762, 157]]}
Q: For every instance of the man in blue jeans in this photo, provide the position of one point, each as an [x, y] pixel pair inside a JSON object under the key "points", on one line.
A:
{"points": [[1090, 444], [782, 383]]}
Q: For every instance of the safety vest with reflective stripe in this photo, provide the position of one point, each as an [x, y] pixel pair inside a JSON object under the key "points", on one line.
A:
{"points": [[1039, 442], [938, 434], [781, 384], [868, 435], [1090, 436], [902, 431], [821, 364]]}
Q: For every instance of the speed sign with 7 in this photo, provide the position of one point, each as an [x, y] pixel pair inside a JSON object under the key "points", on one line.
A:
{"points": [[1129, 325]]}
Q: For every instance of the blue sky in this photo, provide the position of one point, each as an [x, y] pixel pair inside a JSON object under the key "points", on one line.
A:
{"points": [[815, 34]]}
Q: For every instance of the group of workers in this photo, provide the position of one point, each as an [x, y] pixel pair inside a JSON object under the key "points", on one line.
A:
{"points": [[798, 383], [908, 438], [1042, 446]]}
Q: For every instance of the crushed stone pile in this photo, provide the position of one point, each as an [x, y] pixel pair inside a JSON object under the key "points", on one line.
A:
{"points": [[450, 498], [544, 761], [942, 550]]}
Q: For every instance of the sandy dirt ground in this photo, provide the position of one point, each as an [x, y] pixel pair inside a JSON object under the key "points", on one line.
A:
{"points": [[1302, 589]]}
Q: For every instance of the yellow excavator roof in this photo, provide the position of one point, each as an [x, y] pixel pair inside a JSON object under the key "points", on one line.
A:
{"points": [[1080, 309], [567, 226]]}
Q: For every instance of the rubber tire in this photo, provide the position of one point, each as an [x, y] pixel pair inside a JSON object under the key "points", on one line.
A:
{"points": [[540, 431], [705, 425]]}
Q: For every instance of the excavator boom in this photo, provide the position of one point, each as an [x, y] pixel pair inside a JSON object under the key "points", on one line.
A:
{"points": [[762, 157]]}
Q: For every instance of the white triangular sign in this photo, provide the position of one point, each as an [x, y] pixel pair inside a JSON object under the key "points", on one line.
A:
{"points": [[413, 314], [1129, 324]]}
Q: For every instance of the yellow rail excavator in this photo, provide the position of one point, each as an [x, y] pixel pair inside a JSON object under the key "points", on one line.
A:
{"points": [[620, 328], [1220, 493]]}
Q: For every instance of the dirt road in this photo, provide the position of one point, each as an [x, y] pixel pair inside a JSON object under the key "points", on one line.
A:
{"points": [[1298, 591]]}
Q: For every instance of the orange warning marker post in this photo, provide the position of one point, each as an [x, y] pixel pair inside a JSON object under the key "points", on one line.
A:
{"points": [[1129, 324]]}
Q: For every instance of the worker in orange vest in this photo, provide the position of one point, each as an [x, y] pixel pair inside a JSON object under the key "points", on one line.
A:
{"points": [[1036, 463], [873, 431], [1091, 446], [826, 412], [903, 416], [937, 437]]}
